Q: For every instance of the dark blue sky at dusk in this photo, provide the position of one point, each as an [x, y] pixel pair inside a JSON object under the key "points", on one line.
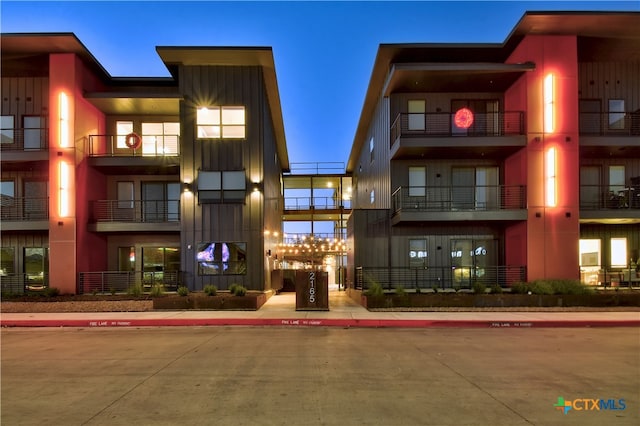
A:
{"points": [[323, 51]]}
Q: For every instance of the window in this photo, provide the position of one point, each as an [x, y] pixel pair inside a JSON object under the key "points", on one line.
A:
{"points": [[619, 253], [6, 129], [126, 258], [7, 261], [34, 132], [222, 186], [36, 266], [123, 128], [160, 264], [227, 122], [371, 148], [417, 108], [418, 253], [36, 203], [161, 201], [590, 253], [125, 195], [417, 181], [372, 196], [222, 258], [616, 114], [160, 138]]}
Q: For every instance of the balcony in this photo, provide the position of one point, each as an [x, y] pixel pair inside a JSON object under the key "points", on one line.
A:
{"points": [[608, 204], [157, 154], [491, 135], [25, 214], [459, 203], [610, 135], [22, 145], [134, 216]]}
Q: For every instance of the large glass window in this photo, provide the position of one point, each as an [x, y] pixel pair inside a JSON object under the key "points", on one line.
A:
{"points": [[418, 253], [123, 128], [222, 186], [36, 202], [590, 260], [226, 122], [7, 127], [222, 258], [417, 108], [616, 114], [417, 181], [127, 258], [36, 266], [159, 264], [7, 261], [161, 201], [160, 138], [34, 132], [619, 256]]}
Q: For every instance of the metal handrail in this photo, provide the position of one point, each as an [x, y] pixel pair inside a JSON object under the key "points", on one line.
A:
{"points": [[605, 197], [610, 123], [317, 168], [455, 198], [135, 211], [36, 139], [439, 124], [123, 281], [440, 277], [24, 208], [308, 203], [162, 146]]}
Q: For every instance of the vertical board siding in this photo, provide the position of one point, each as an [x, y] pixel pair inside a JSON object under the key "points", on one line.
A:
{"points": [[610, 80]]}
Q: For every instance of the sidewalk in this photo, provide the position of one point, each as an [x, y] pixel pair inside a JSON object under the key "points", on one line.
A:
{"points": [[344, 312]]}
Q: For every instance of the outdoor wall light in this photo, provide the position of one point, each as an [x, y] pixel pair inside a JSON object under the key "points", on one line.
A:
{"points": [[549, 103], [551, 168], [256, 187], [63, 115], [187, 187], [63, 189]]}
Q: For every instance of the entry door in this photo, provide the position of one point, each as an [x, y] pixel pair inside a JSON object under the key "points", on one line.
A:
{"points": [[33, 132], [161, 201], [590, 193]]}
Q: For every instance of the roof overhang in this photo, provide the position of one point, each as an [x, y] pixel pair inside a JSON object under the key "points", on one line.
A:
{"points": [[138, 103]]}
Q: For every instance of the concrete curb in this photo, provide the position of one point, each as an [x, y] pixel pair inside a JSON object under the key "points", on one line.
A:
{"points": [[288, 322]]}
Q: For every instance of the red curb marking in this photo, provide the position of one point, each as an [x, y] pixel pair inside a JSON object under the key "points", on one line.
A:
{"points": [[371, 323]]}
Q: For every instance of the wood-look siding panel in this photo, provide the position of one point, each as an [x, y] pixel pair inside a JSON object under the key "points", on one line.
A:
{"points": [[610, 80], [606, 232], [25, 96], [631, 167]]}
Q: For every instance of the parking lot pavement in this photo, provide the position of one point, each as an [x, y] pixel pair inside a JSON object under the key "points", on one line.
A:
{"points": [[320, 376]]}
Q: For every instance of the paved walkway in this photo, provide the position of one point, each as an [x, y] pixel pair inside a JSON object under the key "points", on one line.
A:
{"points": [[344, 312]]}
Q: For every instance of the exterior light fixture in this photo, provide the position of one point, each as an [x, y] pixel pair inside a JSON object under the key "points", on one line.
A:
{"points": [[63, 189], [255, 187], [549, 103], [463, 118], [551, 168], [63, 115]]}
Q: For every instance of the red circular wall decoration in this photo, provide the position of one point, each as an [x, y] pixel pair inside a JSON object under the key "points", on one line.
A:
{"points": [[463, 118]]}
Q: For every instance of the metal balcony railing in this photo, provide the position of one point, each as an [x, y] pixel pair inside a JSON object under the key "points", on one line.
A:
{"points": [[120, 282], [610, 123], [21, 283], [455, 198], [307, 203], [443, 124], [24, 139], [440, 277], [150, 146], [317, 168], [604, 197], [24, 209], [135, 211]]}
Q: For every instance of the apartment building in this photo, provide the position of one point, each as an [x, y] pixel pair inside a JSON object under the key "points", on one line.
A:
{"points": [[498, 163], [112, 181]]}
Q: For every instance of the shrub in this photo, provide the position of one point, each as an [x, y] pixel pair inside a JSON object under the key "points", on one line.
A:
{"points": [[400, 290], [157, 290], [183, 291], [479, 288], [232, 288], [456, 288], [374, 290], [51, 292], [520, 288], [112, 290], [239, 290], [418, 290], [210, 290], [570, 287], [135, 290], [435, 288], [495, 289], [541, 287]]}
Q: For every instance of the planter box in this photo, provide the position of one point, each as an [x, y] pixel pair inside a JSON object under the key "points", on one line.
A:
{"points": [[458, 300], [200, 301]]}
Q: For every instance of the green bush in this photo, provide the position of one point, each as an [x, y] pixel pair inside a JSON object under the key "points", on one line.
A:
{"points": [[239, 290], [435, 288], [183, 291], [418, 290], [541, 287], [374, 290], [232, 288], [479, 288], [570, 287], [135, 290], [400, 291], [210, 290], [157, 290], [112, 290], [495, 289], [51, 292], [456, 288], [520, 288]]}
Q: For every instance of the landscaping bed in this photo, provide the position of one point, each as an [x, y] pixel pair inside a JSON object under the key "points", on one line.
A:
{"points": [[251, 301]]}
